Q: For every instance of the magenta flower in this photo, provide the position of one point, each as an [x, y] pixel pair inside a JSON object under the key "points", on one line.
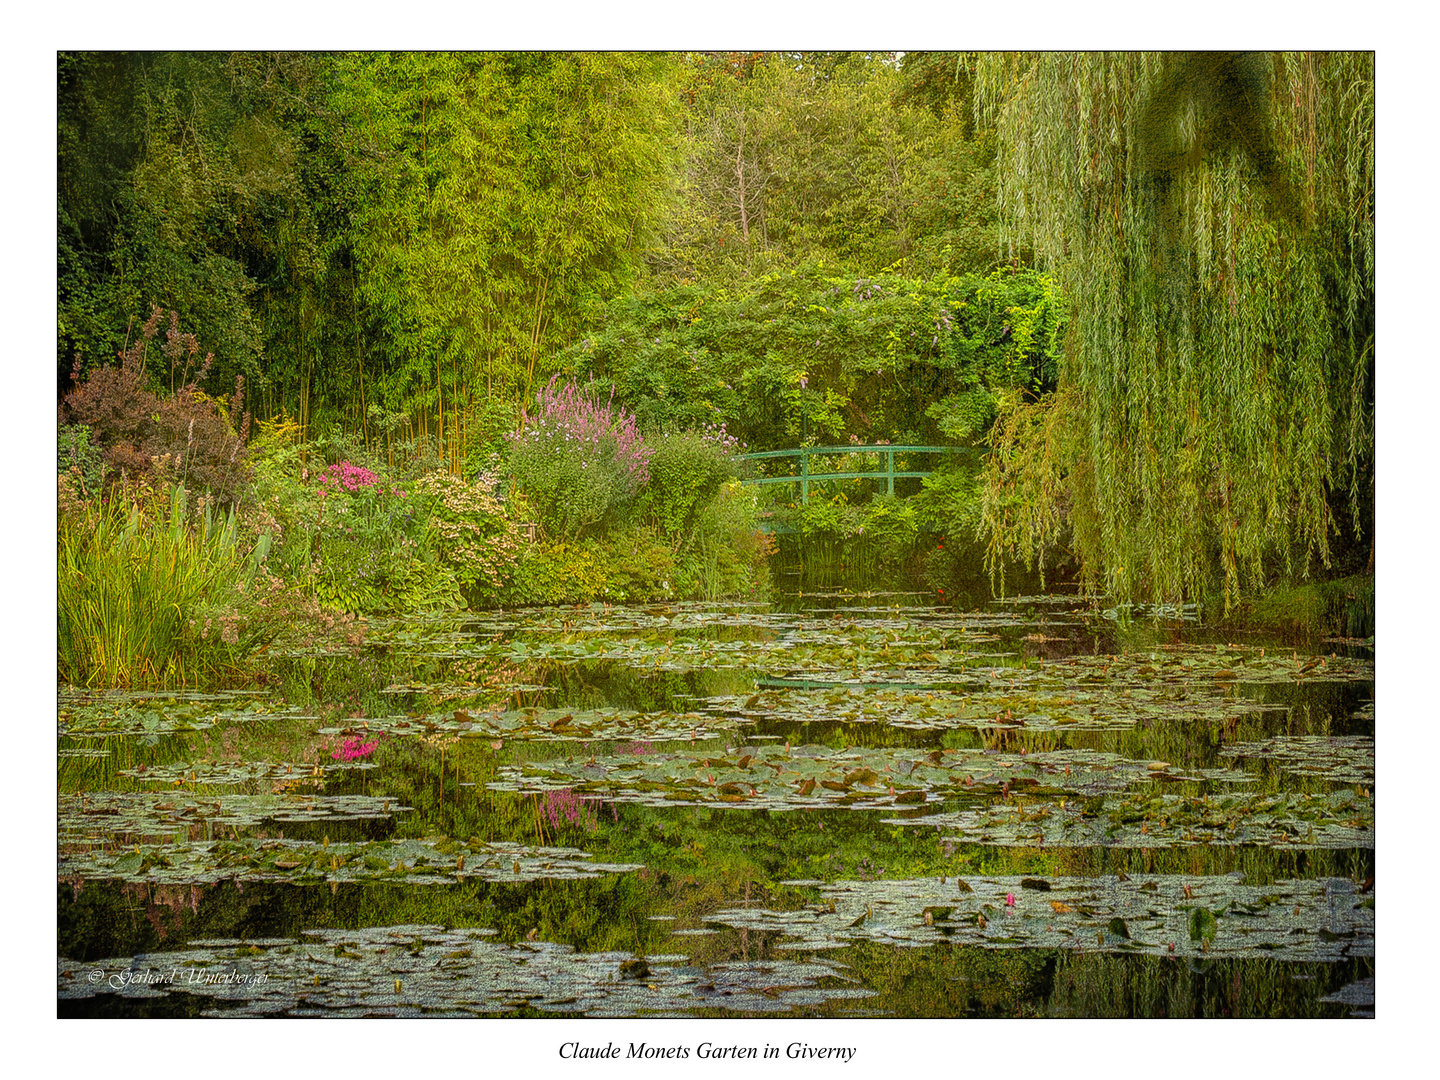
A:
{"points": [[566, 804], [1010, 899], [344, 476], [355, 747]]}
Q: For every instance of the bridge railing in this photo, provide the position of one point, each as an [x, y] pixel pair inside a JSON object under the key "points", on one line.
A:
{"points": [[889, 473]]}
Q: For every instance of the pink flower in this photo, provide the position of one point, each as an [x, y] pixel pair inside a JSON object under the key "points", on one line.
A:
{"points": [[1010, 899], [353, 748]]}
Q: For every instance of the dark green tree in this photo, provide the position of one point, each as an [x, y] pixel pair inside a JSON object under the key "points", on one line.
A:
{"points": [[178, 185]]}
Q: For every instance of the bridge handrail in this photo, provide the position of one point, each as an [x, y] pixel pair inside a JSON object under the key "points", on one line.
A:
{"points": [[878, 447], [885, 471]]}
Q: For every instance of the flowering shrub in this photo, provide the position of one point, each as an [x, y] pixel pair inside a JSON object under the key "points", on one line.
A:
{"points": [[470, 530], [579, 460], [343, 476], [344, 534], [365, 537]]}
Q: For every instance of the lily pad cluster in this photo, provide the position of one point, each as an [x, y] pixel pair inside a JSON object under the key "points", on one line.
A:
{"points": [[809, 776], [106, 815], [545, 725], [437, 861], [1290, 821], [431, 971], [280, 775], [1341, 759], [1322, 919], [85, 715]]}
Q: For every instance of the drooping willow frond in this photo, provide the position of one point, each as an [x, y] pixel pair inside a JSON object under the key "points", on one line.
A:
{"points": [[1210, 217]]}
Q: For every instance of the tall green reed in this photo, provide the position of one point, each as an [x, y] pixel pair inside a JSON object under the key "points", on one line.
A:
{"points": [[149, 597]]}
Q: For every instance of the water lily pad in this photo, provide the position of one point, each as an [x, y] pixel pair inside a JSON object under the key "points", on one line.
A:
{"points": [[432, 971]]}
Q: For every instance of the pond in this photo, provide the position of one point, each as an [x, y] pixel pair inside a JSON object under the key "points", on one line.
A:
{"points": [[837, 804]]}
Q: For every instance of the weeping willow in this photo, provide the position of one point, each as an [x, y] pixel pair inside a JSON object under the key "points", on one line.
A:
{"points": [[1210, 218]]}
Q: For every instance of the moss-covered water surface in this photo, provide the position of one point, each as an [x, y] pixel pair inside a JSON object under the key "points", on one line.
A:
{"points": [[834, 805]]}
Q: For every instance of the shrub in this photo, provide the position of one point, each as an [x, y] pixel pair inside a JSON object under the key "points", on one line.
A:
{"points": [[632, 566], [888, 533], [950, 500], [579, 461], [470, 531], [80, 459], [135, 427], [557, 573], [639, 565], [365, 537], [686, 472], [730, 553], [344, 534]]}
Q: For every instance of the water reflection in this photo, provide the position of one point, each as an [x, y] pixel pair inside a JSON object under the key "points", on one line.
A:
{"points": [[778, 801]]}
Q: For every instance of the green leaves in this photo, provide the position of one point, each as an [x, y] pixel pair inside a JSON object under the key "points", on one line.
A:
{"points": [[1215, 374], [1203, 926], [509, 188]]}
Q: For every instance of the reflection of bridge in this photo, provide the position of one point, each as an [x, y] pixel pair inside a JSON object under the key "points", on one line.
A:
{"points": [[805, 477]]}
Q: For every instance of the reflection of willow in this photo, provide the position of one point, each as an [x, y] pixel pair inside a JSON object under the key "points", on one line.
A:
{"points": [[1260, 865], [1095, 984], [946, 981]]}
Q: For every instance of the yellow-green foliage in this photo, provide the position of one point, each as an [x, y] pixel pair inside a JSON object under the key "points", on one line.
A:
{"points": [[153, 594], [1345, 607], [729, 555], [630, 566], [1211, 219], [469, 528]]}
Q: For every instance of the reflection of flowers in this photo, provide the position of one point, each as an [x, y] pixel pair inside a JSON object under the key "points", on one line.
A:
{"points": [[355, 747], [564, 803]]}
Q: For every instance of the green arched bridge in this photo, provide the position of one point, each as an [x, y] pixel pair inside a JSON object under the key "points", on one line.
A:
{"points": [[885, 470]]}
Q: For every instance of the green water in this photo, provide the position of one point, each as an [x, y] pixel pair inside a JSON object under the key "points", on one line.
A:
{"points": [[837, 804]]}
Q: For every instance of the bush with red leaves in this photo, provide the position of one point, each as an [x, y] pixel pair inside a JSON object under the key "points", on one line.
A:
{"points": [[183, 433]]}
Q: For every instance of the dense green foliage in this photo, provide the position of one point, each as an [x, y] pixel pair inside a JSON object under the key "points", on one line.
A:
{"points": [[814, 356], [403, 243], [402, 263], [846, 157], [499, 191], [1210, 220], [156, 591]]}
